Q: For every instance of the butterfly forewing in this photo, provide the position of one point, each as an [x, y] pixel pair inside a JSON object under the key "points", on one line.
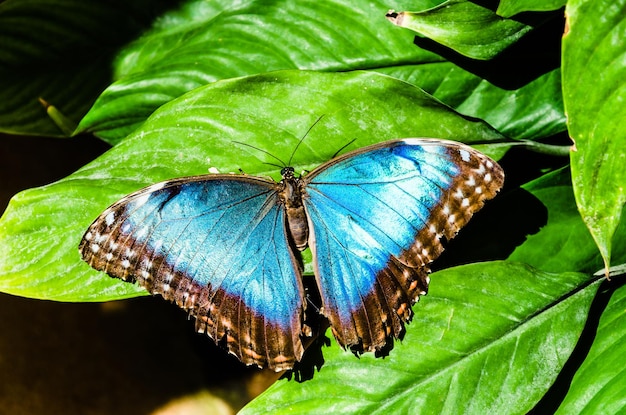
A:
{"points": [[217, 246], [377, 216]]}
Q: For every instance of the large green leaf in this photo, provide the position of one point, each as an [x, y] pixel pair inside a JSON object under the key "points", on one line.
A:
{"points": [[598, 386], [468, 28], [563, 243], [59, 50], [249, 38], [594, 92], [41, 229], [534, 110], [508, 8], [488, 338]]}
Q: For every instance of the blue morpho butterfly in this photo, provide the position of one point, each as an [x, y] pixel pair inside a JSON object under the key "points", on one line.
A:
{"points": [[226, 247]]}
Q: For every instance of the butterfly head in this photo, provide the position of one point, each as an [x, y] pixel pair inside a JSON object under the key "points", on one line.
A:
{"points": [[287, 173]]}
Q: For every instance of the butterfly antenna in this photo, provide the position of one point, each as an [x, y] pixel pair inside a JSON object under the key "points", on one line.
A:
{"points": [[343, 147], [282, 163], [303, 137]]}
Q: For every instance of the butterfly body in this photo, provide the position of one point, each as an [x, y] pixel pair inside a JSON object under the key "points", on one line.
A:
{"points": [[291, 193], [226, 247]]}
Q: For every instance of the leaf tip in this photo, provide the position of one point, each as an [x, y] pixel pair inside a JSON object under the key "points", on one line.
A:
{"points": [[395, 17], [66, 125]]}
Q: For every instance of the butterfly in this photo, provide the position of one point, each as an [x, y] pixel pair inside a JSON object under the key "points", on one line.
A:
{"points": [[226, 247]]}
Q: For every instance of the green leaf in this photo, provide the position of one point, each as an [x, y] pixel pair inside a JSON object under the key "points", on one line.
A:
{"points": [[508, 8], [598, 385], [170, 31], [58, 51], [488, 338], [564, 242], [534, 110], [41, 229], [249, 38], [594, 92], [469, 29]]}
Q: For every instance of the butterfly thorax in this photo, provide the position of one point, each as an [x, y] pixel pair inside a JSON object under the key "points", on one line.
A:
{"points": [[291, 196]]}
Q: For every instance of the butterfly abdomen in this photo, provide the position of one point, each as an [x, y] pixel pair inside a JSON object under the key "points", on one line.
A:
{"points": [[291, 197]]}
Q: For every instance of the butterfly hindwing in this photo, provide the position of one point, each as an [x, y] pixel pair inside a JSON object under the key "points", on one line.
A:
{"points": [[376, 219], [217, 246]]}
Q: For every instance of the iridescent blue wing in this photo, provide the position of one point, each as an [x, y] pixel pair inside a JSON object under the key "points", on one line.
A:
{"points": [[376, 219], [215, 245]]}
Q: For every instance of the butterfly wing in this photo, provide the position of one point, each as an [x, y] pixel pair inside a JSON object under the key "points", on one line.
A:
{"points": [[376, 217], [215, 245]]}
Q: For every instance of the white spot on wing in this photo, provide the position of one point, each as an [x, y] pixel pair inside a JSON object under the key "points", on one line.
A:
{"points": [[95, 248], [192, 298], [157, 245], [141, 200], [126, 263], [465, 155], [156, 186], [110, 218]]}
